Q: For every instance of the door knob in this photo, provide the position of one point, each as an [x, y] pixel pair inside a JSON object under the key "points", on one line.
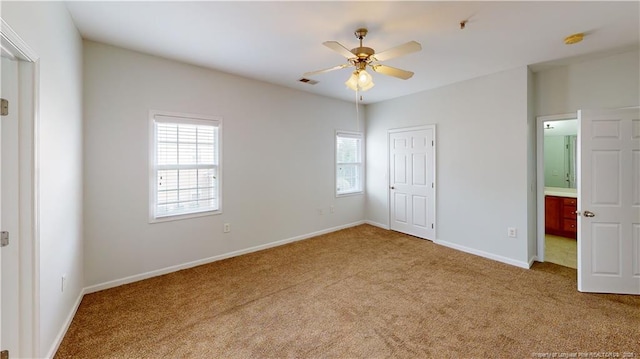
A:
{"points": [[392, 187], [588, 214]]}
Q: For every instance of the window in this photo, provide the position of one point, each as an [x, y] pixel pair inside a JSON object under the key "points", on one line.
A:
{"points": [[185, 159], [349, 171]]}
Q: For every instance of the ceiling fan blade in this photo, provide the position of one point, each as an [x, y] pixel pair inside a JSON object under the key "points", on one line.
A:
{"points": [[337, 47], [403, 49], [326, 70], [392, 71]]}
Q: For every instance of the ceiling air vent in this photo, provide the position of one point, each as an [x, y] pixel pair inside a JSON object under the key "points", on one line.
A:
{"points": [[308, 81]]}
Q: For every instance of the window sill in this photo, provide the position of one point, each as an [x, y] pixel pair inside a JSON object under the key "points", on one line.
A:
{"points": [[338, 195], [180, 217]]}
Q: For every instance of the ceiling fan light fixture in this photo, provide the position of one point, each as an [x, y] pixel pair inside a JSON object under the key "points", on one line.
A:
{"points": [[352, 82], [360, 80], [365, 81]]}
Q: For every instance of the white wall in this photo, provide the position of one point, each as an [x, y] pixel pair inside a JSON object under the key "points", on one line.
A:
{"points": [[606, 82], [278, 163], [483, 173], [48, 29]]}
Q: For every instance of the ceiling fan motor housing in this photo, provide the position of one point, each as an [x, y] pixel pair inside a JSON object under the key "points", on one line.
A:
{"points": [[363, 53]]}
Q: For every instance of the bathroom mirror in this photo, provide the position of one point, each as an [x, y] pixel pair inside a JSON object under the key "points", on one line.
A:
{"points": [[560, 145]]}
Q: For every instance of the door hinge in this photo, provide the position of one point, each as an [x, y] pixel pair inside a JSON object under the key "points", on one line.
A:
{"points": [[431, 143], [4, 354], [4, 241], [4, 111], [431, 225]]}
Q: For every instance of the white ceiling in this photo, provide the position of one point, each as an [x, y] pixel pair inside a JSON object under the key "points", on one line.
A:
{"points": [[278, 41]]}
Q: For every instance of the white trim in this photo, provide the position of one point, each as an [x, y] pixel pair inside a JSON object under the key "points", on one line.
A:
{"points": [[30, 258], [36, 210], [484, 254], [13, 43], [180, 217], [175, 268], [412, 128], [29, 197], [6, 53], [362, 180], [189, 118], [533, 259], [540, 120], [65, 327], [434, 207], [379, 225], [558, 117]]}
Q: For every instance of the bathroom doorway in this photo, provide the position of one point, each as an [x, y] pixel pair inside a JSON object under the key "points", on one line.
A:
{"points": [[557, 159]]}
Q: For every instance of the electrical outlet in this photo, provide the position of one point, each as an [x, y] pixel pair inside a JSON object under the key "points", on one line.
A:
{"points": [[63, 279], [512, 232], [332, 209], [227, 227]]}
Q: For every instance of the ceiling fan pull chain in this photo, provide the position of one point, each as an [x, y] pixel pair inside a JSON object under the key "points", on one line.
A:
{"points": [[357, 110]]}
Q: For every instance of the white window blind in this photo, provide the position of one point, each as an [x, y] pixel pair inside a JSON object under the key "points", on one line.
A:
{"points": [[185, 166], [349, 169]]}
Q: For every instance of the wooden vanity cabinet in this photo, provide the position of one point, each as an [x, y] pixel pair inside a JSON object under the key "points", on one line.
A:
{"points": [[552, 214], [560, 216]]}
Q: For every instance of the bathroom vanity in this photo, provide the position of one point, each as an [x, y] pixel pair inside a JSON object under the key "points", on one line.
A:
{"points": [[560, 217]]}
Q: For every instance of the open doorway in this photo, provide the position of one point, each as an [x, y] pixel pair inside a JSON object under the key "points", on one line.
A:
{"points": [[607, 199], [557, 190], [19, 280]]}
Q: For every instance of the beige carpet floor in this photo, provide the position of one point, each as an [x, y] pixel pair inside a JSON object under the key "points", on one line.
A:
{"points": [[362, 292]]}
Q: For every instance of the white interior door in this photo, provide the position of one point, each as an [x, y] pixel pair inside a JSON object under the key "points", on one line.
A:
{"points": [[9, 189], [412, 181], [2, 80], [609, 201]]}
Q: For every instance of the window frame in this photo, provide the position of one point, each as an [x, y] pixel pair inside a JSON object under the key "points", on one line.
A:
{"points": [[181, 118], [360, 165]]}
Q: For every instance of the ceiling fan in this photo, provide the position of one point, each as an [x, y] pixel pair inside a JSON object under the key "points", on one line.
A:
{"points": [[361, 57]]}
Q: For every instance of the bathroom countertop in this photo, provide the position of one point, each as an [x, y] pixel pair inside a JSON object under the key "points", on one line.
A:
{"points": [[561, 192]]}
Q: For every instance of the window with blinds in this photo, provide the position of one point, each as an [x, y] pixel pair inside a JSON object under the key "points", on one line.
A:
{"points": [[349, 158], [186, 171]]}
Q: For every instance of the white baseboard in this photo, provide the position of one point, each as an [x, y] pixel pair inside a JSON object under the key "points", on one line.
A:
{"points": [[159, 272], [470, 250], [65, 327], [484, 254], [376, 224], [533, 259]]}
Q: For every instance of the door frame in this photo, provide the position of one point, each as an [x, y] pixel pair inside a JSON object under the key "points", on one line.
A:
{"points": [[434, 167], [28, 162], [540, 120]]}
